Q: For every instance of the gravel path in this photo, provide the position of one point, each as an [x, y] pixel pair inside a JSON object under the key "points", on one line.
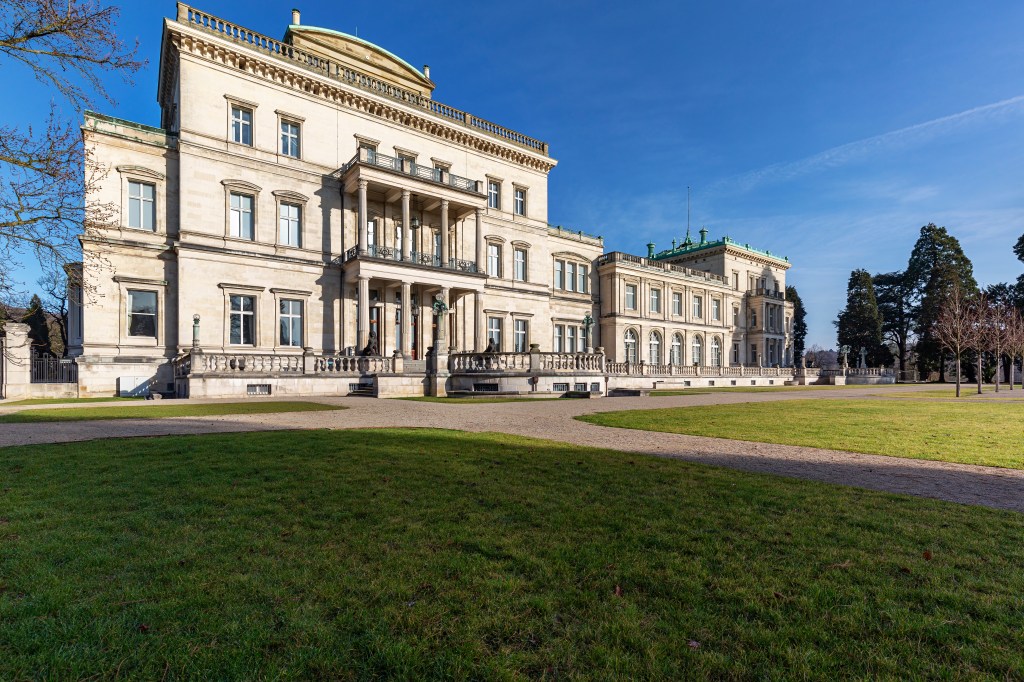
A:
{"points": [[553, 420]]}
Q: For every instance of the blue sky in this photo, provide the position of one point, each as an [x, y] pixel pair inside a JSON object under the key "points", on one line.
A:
{"points": [[829, 132]]}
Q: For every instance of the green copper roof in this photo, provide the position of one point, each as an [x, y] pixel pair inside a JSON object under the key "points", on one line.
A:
{"points": [[329, 31], [689, 247]]}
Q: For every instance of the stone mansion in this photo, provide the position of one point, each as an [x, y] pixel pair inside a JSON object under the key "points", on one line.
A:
{"points": [[306, 218]]}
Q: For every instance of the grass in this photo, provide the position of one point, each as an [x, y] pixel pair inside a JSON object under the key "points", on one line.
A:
{"points": [[161, 411], [56, 401], [430, 554], [966, 391], [987, 433], [700, 390], [474, 401]]}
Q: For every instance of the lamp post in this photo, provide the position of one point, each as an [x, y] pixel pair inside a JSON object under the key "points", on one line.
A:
{"points": [[588, 321], [195, 331]]}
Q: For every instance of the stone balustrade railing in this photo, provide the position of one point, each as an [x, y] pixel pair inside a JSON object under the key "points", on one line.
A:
{"points": [[243, 363], [534, 361], [572, 362], [854, 372], [262, 364], [647, 369]]}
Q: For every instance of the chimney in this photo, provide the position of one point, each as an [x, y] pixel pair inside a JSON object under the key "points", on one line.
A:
{"points": [[426, 71], [296, 17], [650, 250], [703, 235]]}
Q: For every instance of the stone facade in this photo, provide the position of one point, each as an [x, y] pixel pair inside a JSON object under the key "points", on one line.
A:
{"points": [[306, 198]]}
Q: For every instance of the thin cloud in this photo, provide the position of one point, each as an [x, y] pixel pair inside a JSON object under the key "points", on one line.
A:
{"points": [[837, 156]]}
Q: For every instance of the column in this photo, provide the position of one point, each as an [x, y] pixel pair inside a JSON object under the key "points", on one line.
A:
{"points": [[442, 325], [444, 239], [363, 215], [363, 323], [406, 319], [481, 249], [406, 236], [480, 322]]}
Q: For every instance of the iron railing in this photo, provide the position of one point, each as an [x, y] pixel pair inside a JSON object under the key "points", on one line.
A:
{"points": [[407, 167], [47, 369], [416, 258]]}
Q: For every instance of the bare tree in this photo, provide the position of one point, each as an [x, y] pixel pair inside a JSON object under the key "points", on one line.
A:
{"points": [[999, 332], [956, 328], [68, 45], [1015, 340]]}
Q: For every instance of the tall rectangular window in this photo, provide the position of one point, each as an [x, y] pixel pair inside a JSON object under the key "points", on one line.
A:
{"points": [[494, 260], [519, 262], [243, 321], [559, 338], [520, 201], [630, 297], [736, 281], [494, 331], [241, 125], [559, 274], [141, 313], [291, 322], [290, 138], [570, 339], [142, 206], [698, 307], [581, 282], [677, 303], [716, 310], [570, 277], [290, 225], [735, 316], [655, 300], [735, 353], [241, 216], [493, 194], [519, 336]]}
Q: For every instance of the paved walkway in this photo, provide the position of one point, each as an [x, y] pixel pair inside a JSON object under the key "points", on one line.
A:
{"points": [[553, 420]]}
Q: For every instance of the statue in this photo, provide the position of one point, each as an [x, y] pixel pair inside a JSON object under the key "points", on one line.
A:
{"points": [[371, 345], [492, 347], [863, 355]]}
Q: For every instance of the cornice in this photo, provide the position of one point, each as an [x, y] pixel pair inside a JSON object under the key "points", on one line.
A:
{"points": [[217, 50]]}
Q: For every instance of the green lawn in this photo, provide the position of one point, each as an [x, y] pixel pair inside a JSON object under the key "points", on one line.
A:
{"points": [[158, 411], [966, 391], [752, 389], [478, 401], [429, 554], [988, 433], [57, 401]]}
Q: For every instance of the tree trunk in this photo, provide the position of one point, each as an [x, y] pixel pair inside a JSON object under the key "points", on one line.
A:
{"points": [[979, 372], [942, 368], [999, 360], [958, 376]]}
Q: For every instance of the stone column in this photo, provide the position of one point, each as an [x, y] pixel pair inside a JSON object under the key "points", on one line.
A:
{"points": [[363, 215], [481, 248], [438, 384], [406, 319], [363, 321], [480, 322], [406, 237], [444, 238], [17, 361]]}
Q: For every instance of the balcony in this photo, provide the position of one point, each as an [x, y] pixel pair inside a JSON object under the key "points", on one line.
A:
{"points": [[767, 293], [649, 264], [430, 260], [437, 176]]}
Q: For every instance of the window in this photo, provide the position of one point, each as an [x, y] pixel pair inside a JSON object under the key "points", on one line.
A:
{"points": [[241, 216], [290, 224], [735, 316], [698, 307], [405, 163], [243, 322], [520, 202], [630, 297], [630, 345], [494, 331], [398, 237], [493, 194], [437, 245], [570, 339], [753, 353], [290, 138], [655, 300], [241, 125], [716, 352], [142, 205], [677, 349], [654, 356], [736, 281], [559, 338], [519, 262], [581, 283], [677, 303], [519, 336], [371, 232], [716, 310], [570, 277], [142, 313], [753, 318], [735, 353], [494, 260], [559, 274], [697, 351], [291, 322]]}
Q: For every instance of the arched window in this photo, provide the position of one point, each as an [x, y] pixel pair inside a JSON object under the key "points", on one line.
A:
{"points": [[697, 351], [677, 349], [655, 349], [716, 352], [630, 343]]}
